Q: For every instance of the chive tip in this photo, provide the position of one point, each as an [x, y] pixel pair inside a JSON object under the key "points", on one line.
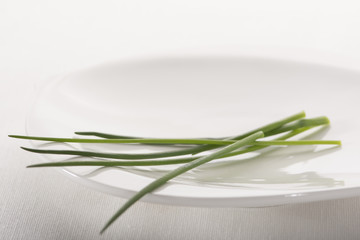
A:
{"points": [[27, 149], [327, 120]]}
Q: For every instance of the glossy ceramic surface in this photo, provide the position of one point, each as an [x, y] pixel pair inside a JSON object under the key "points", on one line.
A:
{"points": [[210, 97]]}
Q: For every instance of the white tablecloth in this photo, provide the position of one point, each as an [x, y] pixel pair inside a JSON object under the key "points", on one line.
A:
{"points": [[42, 39]]}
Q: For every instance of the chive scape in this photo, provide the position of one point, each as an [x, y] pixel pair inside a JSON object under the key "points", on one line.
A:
{"points": [[172, 174]]}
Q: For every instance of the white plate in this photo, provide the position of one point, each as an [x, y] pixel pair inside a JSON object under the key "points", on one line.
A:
{"points": [[211, 97]]}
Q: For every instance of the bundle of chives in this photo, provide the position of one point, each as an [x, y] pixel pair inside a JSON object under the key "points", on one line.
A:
{"points": [[230, 146]]}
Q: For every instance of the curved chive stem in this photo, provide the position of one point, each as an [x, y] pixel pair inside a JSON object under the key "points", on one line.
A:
{"points": [[113, 155], [113, 136], [114, 163], [172, 174], [106, 135]]}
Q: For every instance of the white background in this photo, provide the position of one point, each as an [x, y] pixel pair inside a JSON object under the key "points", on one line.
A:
{"points": [[42, 39]]}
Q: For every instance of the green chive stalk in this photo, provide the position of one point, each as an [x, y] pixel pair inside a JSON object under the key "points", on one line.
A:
{"points": [[172, 174], [113, 155]]}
